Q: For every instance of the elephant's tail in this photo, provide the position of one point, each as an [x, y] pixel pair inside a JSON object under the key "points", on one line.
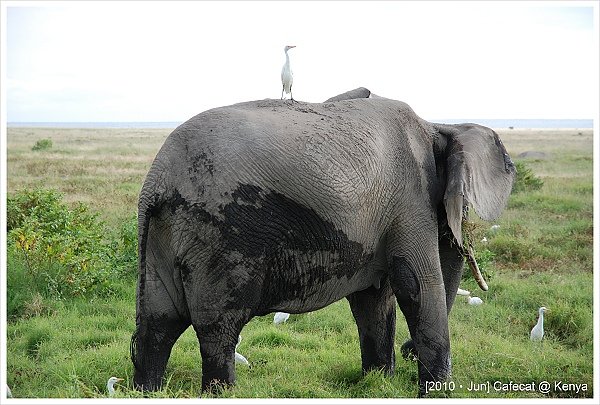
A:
{"points": [[149, 201], [145, 208], [156, 256]]}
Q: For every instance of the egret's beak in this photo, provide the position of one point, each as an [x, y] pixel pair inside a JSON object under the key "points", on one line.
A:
{"points": [[120, 379]]}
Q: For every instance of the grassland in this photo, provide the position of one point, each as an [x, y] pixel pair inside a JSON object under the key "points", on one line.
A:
{"points": [[100, 167], [542, 255]]}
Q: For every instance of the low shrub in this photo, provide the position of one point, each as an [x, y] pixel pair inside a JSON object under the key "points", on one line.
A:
{"points": [[42, 144], [525, 179], [125, 246], [64, 251]]}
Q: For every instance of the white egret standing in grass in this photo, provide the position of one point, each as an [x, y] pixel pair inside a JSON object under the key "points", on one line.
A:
{"points": [[537, 333], [110, 385], [280, 317], [287, 77], [460, 291], [238, 357]]}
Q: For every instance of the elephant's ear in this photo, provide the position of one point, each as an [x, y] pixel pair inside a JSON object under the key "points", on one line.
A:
{"points": [[480, 173], [360, 92]]}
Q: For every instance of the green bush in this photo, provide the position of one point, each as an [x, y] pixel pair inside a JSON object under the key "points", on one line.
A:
{"points": [[24, 204], [42, 144], [64, 251], [526, 180], [124, 247]]}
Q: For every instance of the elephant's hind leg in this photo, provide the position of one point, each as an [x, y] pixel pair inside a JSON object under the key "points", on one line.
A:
{"points": [[222, 290], [218, 333], [375, 313], [159, 325], [161, 315], [151, 346]]}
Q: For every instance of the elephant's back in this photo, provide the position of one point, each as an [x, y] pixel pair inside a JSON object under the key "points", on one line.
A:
{"points": [[334, 158]]}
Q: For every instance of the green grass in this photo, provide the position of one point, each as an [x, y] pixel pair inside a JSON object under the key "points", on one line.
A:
{"points": [[542, 255]]}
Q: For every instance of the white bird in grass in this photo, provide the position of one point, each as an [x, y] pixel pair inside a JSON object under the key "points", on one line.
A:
{"points": [[470, 300], [537, 333], [238, 357], [110, 385], [287, 77], [460, 291], [280, 317]]}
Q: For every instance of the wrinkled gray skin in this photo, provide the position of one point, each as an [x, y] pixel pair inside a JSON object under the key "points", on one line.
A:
{"points": [[264, 206]]}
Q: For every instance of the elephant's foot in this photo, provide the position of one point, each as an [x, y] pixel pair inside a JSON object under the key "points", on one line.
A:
{"points": [[433, 369], [150, 349], [217, 378], [215, 386]]}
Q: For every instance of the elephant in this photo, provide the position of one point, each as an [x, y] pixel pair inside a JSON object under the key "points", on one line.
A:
{"points": [[264, 206]]}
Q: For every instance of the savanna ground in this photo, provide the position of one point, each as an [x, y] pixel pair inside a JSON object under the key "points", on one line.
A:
{"points": [[67, 341]]}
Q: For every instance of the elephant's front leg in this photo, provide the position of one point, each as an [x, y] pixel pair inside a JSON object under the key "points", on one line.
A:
{"points": [[374, 310], [416, 279], [452, 263]]}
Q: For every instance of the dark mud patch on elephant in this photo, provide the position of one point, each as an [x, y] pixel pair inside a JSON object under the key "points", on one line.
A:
{"points": [[298, 249], [201, 163], [284, 250], [260, 222]]}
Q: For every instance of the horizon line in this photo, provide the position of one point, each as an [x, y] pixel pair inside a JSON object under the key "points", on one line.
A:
{"points": [[168, 121]]}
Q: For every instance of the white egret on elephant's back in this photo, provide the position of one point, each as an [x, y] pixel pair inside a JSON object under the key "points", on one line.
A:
{"points": [[287, 77], [537, 333]]}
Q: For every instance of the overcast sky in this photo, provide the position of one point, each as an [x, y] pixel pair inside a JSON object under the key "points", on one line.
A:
{"points": [[159, 61]]}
